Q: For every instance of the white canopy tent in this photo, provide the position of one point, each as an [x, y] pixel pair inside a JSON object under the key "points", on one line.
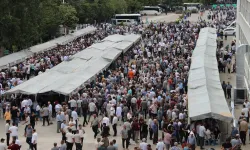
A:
{"points": [[12, 59], [205, 95], [18, 57], [69, 76]]}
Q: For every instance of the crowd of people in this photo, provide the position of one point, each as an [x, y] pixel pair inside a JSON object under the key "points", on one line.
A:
{"points": [[144, 91]]}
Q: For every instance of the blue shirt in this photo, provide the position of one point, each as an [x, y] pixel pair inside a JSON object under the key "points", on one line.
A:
{"points": [[155, 128], [180, 85]]}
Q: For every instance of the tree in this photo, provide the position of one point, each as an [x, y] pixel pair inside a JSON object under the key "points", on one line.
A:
{"points": [[50, 19], [68, 15]]}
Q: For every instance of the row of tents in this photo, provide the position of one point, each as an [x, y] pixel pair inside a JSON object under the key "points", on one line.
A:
{"points": [[206, 98], [70, 76], [15, 58]]}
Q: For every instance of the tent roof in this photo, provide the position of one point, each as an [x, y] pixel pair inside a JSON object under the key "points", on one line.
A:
{"points": [[204, 87], [69, 76], [14, 58], [20, 56]]}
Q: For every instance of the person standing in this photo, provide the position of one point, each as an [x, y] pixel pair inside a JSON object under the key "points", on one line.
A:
{"points": [[246, 112], [13, 130], [229, 87], [7, 126], [155, 131], [125, 139], [202, 132], [136, 129], [63, 145], [7, 115], [63, 131], [74, 115], [114, 124], [70, 139], [28, 135], [15, 115], [144, 130], [111, 146], [33, 120], [160, 145], [243, 127], [59, 121], [143, 144], [50, 112], [55, 147], [92, 109], [73, 104], [224, 87], [14, 146], [175, 147], [95, 125], [167, 139], [79, 105], [192, 141], [34, 140], [77, 139], [2, 145], [45, 113]]}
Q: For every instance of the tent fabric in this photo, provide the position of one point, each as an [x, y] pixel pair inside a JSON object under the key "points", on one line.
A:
{"points": [[69, 76], [123, 45], [12, 59], [18, 57], [205, 95], [62, 40]]}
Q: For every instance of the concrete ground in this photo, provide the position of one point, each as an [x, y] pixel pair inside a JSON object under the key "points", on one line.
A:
{"points": [[47, 135]]}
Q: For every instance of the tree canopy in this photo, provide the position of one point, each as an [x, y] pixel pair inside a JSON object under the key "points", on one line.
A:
{"points": [[28, 22]]}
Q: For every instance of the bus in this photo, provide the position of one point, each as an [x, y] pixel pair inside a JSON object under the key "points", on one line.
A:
{"points": [[192, 6], [127, 19], [151, 10]]}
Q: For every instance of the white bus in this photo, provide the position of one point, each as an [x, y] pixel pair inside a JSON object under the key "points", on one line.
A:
{"points": [[127, 19], [192, 6], [151, 10]]}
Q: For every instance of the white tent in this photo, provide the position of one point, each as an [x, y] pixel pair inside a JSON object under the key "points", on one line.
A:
{"points": [[61, 40], [118, 38], [69, 76], [205, 95], [12, 59], [18, 57]]}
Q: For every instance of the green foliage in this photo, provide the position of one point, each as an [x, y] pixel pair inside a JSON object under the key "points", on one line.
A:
{"points": [[25, 23], [68, 15]]}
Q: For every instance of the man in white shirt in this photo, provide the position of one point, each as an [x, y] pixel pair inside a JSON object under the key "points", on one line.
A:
{"points": [[24, 103], [73, 104], [105, 120], [13, 130], [33, 143], [160, 145], [143, 144], [114, 124], [70, 139], [92, 109], [50, 112], [119, 112], [201, 132], [77, 139], [3, 145], [74, 115], [246, 111]]}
